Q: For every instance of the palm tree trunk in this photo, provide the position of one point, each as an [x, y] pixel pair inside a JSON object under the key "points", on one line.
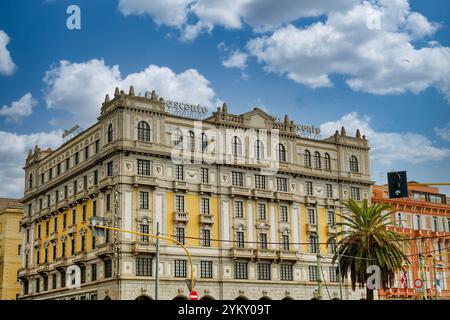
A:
{"points": [[369, 293]]}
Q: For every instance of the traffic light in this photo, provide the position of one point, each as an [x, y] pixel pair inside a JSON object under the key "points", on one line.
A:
{"points": [[97, 221], [398, 184]]}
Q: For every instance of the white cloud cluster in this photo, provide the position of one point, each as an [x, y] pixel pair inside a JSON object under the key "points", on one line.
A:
{"points": [[7, 65], [13, 152], [388, 147], [19, 109], [443, 133], [80, 88]]}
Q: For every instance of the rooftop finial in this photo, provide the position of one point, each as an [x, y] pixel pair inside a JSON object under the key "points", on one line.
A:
{"points": [[343, 133], [154, 96], [107, 98], [286, 119], [116, 92], [131, 93], [358, 134], [225, 107]]}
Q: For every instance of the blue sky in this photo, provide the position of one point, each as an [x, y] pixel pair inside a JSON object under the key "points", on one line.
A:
{"points": [[312, 61]]}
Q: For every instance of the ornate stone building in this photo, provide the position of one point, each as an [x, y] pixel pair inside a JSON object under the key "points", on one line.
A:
{"points": [[249, 197]]}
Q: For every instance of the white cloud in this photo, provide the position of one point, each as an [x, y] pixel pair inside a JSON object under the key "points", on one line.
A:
{"points": [[164, 12], [19, 109], [236, 59], [80, 88], [388, 147], [368, 52], [7, 65], [13, 152], [443, 133]]}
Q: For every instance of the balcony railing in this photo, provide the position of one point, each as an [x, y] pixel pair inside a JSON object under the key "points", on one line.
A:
{"points": [[105, 249], [206, 219], [261, 193], [144, 180], [242, 253], [180, 216], [266, 254], [311, 228], [310, 200], [283, 196], [287, 255], [205, 187], [144, 247], [72, 229], [239, 191], [180, 185], [332, 229]]}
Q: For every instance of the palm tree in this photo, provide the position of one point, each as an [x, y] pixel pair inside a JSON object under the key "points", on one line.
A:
{"points": [[365, 241]]}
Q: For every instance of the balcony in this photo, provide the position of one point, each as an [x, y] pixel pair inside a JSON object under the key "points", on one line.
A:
{"points": [[266, 254], [45, 213], [180, 217], [239, 191], [93, 189], [43, 268], [63, 205], [82, 195], [242, 253], [37, 242], [80, 257], [105, 250], [143, 247], [106, 182], [260, 193], [205, 188], [206, 219], [311, 228], [283, 196], [287, 255], [23, 272], [144, 180], [53, 236], [310, 200], [61, 263], [72, 229], [180, 185], [330, 202]]}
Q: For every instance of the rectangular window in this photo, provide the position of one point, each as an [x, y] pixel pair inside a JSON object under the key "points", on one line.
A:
{"points": [[237, 179], [19, 250], [241, 270], [205, 175], [286, 273], [25, 286], [42, 178], [206, 269], [83, 243], [309, 188], [205, 206], [45, 255], [144, 228], [54, 284], [180, 268], [94, 208], [313, 275], [56, 196], [64, 220], [66, 192], [38, 284], [179, 203], [285, 242], [83, 274], [261, 211], [355, 195], [144, 266], [45, 283], [86, 153], [39, 231], [77, 158], [50, 174], [75, 187], [84, 214], [72, 247], [38, 256], [47, 228], [67, 166], [180, 234], [58, 169], [109, 168], [262, 241], [239, 239], [108, 268], [95, 177], [264, 271], [206, 237], [41, 204], [311, 216], [179, 172], [94, 242], [312, 247], [74, 216], [63, 279], [334, 277], [108, 202], [260, 181], [94, 272], [143, 167], [239, 209], [63, 249], [85, 183], [55, 224], [284, 213], [143, 200], [282, 184], [97, 146], [329, 191], [331, 217]]}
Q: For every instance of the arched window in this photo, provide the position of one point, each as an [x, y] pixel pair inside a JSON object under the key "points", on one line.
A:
{"points": [[30, 181], [178, 138], [143, 131], [237, 146], [354, 164], [191, 140], [327, 161], [281, 153], [317, 160], [259, 149], [204, 141], [307, 158], [312, 243], [110, 133]]}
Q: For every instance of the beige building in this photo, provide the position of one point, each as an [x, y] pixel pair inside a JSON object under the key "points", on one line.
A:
{"points": [[249, 195], [11, 212]]}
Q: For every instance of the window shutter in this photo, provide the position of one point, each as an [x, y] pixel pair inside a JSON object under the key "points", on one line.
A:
{"points": [[424, 222]]}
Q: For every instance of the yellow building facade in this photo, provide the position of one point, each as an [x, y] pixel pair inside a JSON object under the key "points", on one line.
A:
{"points": [[11, 213], [248, 194]]}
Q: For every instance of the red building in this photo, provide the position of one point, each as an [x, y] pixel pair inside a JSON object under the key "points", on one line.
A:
{"points": [[425, 218]]}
